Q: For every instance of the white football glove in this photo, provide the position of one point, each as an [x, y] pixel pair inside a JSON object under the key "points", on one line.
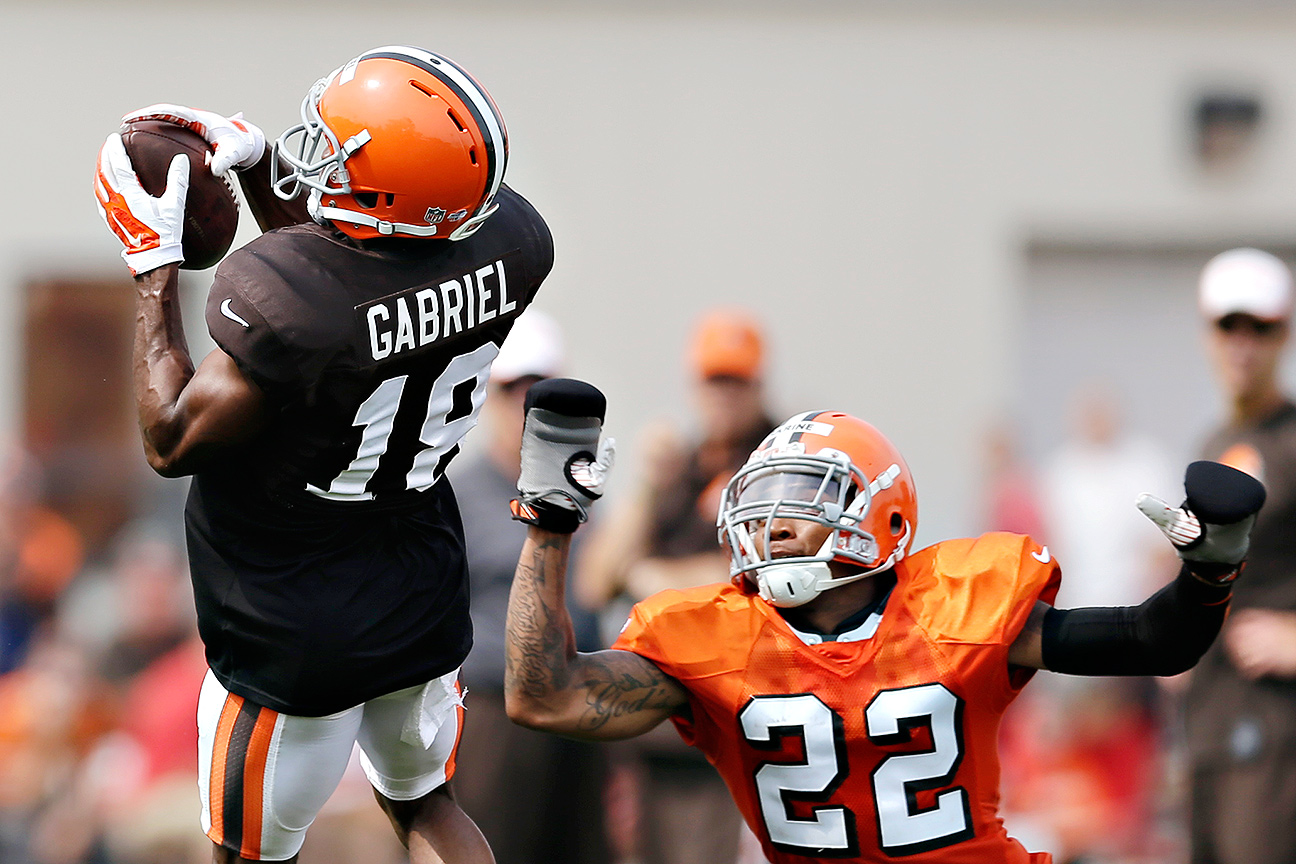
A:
{"points": [[150, 228], [564, 465], [1211, 530], [236, 142]]}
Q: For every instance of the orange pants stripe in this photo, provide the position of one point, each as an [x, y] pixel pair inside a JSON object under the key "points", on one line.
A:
{"points": [[242, 747]]}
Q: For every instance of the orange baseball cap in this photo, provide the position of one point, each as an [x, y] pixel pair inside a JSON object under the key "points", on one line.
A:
{"points": [[728, 343]]}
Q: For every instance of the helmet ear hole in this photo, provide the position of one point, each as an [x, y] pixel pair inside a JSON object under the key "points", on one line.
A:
{"points": [[897, 523], [367, 200]]}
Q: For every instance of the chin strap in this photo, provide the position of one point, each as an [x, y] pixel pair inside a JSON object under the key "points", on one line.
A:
{"points": [[791, 585], [319, 211]]}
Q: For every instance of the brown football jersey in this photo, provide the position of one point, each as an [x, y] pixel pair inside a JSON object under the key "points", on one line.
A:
{"points": [[327, 554]]}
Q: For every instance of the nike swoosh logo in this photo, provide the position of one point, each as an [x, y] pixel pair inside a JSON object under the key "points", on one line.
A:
{"points": [[231, 314], [1041, 556], [132, 239]]}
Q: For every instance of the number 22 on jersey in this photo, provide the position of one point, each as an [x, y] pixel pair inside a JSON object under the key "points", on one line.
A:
{"points": [[890, 718], [377, 416]]}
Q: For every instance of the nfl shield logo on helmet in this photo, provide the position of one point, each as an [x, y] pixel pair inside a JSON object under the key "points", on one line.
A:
{"points": [[434, 215]]}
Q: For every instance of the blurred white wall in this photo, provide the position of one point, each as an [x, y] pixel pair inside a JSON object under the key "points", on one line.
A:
{"points": [[867, 176]]}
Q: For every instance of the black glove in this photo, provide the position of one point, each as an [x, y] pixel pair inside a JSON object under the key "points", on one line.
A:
{"points": [[1211, 530], [564, 465]]}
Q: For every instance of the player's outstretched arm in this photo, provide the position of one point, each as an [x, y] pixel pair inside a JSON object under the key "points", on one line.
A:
{"points": [[185, 415], [1169, 632], [549, 685]]}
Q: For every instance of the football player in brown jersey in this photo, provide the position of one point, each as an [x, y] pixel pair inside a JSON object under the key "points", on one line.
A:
{"points": [[848, 691], [354, 337]]}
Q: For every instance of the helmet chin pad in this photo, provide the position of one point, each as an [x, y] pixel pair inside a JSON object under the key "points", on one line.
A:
{"points": [[790, 585]]}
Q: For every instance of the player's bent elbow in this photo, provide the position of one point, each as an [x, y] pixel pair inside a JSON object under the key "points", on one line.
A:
{"points": [[529, 711], [170, 465], [163, 466]]}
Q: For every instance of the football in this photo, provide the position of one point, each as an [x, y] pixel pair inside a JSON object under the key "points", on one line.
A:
{"points": [[211, 210]]}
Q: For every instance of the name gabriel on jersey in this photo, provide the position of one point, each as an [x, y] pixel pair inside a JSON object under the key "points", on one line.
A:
{"points": [[424, 315]]}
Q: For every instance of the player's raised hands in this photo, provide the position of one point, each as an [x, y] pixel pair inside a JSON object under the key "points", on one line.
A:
{"points": [[149, 228], [236, 142], [564, 465], [1211, 530]]}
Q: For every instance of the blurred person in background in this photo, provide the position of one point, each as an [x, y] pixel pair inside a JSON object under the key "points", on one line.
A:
{"points": [[663, 535], [1240, 705], [537, 798], [41, 552], [1075, 745], [1012, 495], [54, 713], [1114, 557], [136, 619]]}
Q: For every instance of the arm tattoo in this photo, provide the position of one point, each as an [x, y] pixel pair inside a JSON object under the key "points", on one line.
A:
{"points": [[539, 629], [605, 694], [618, 686]]}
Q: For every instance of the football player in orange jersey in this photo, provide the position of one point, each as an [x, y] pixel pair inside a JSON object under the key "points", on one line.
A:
{"points": [[848, 691]]}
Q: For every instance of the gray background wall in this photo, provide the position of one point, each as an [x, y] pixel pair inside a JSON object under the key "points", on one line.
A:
{"points": [[869, 177]]}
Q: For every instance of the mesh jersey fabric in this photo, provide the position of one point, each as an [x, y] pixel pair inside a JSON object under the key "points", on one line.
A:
{"points": [[861, 751]]}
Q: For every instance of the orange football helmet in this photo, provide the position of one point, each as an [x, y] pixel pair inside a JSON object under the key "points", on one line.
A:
{"points": [[399, 141], [824, 467]]}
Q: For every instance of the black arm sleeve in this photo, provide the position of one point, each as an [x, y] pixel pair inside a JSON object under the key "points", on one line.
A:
{"points": [[1165, 635]]}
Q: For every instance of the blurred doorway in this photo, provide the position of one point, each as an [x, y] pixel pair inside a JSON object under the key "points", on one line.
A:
{"points": [[78, 416], [1125, 318]]}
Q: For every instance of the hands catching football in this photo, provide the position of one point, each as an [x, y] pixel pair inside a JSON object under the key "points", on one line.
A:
{"points": [[149, 228], [1211, 530], [235, 142]]}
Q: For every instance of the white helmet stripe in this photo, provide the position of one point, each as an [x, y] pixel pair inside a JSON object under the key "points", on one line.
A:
{"points": [[790, 431], [483, 109]]}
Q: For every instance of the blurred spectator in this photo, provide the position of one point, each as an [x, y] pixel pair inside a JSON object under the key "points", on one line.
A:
{"points": [[53, 713], [134, 617], [663, 535], [1240, 706], [40, 553], [136, 609], [1012, 494], [1082, 756], [1112, 554], [537, 798]]}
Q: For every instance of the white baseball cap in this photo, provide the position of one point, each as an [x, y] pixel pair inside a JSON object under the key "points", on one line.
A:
{"points": [[1246, 281], [534, 347]]}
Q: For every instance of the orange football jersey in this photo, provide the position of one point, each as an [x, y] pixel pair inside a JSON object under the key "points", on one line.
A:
{"points": [[877, 746]]}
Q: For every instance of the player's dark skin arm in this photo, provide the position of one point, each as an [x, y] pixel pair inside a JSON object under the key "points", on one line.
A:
{"points": [[548, 684], [185, 415], [269, 210], [1028, 648]]}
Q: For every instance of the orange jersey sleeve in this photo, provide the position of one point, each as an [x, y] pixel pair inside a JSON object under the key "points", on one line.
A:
{"points": [[980, 591], [678, 630]]}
